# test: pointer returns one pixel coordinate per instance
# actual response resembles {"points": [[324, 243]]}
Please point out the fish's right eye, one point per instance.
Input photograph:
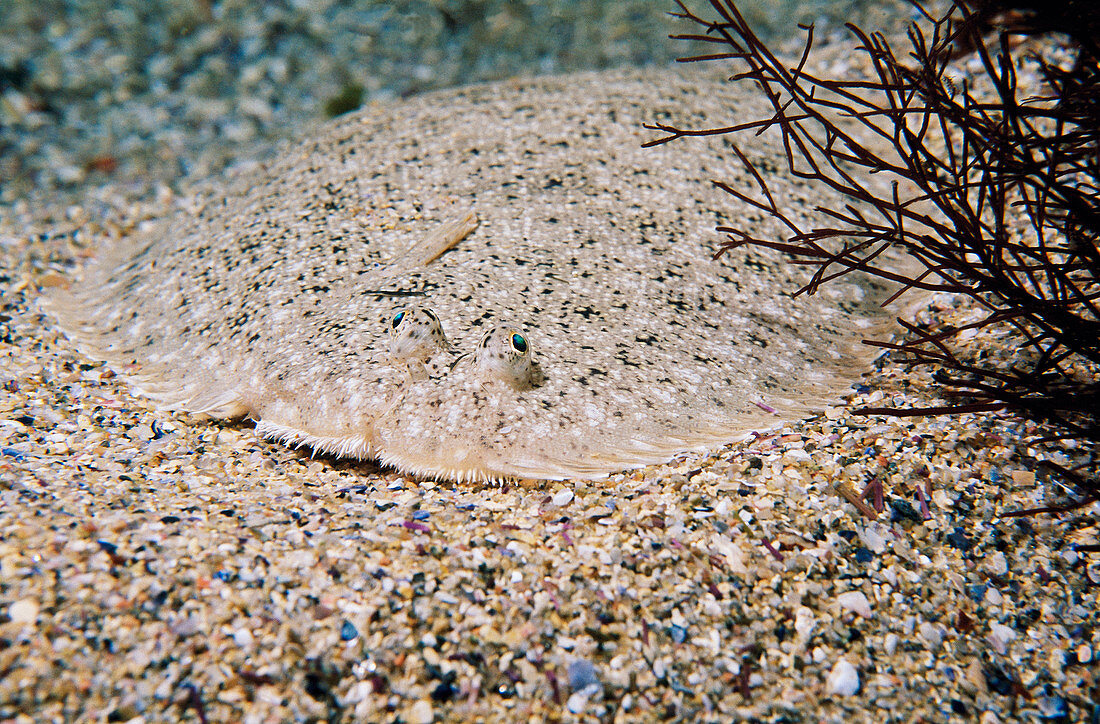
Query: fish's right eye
{"points": [[396, 322]]}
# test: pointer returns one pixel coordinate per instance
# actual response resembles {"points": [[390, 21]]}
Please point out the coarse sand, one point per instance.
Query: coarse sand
{"points": [[159, 567]]}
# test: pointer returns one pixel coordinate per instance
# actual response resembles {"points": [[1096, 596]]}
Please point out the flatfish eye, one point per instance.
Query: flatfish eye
{"points": [[416, 335], [505, 355]]}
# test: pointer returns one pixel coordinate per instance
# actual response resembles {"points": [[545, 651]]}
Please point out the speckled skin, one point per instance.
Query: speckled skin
{"points": [[271, 295], [416, 335]]}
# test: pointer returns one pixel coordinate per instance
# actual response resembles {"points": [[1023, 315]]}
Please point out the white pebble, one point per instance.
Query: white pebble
{"points": [[243, 637], [421, 712], [931, 635], [804, 622], [562, 497], [141, 432], [999, 636], [1084, 653], [890, 644], [796, 455], [856, 602], [873, 539], [23, 611], [576, 702], [579, 700], [359, 691], [996, 564], [843, 680]]}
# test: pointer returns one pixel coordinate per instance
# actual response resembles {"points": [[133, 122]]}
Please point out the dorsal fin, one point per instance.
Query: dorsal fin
{"points": [[425, 251]]}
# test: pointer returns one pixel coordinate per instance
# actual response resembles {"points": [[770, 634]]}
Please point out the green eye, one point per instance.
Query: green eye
{"points": [[519, 344], [397, 319]]}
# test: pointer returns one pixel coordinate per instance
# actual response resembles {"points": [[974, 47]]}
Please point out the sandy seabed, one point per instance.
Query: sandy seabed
{"points": [[159, 567], [155, 567]]}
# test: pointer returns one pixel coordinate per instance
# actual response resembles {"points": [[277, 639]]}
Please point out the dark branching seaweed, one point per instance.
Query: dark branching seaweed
{"points": [[994, 194]]}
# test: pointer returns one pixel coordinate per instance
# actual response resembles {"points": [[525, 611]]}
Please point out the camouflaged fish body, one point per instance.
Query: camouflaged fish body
{"points": [[523, 208]]}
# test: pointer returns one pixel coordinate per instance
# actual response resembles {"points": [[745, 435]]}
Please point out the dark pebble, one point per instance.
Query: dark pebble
{"points": [[10, 452], [957, 539], [316, 686], [864, 555], [348, 99], [997, 680], [1027, 618], [15, 76], [582, 674], [445, 691], [904, 510], [378, 683], [678, 634], [348, 632]]}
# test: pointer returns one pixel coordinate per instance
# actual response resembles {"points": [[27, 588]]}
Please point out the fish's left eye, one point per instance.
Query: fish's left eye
{"points": [[519, 344], [397, 319]]}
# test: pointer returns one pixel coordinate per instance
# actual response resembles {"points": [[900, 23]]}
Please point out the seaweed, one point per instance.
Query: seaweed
{"points": [[991, 188]]}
